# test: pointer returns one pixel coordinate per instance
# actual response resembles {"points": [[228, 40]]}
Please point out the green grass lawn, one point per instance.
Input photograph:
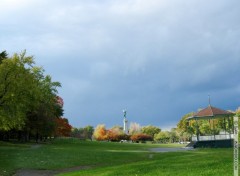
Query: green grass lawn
{"points": [[106, 158]]}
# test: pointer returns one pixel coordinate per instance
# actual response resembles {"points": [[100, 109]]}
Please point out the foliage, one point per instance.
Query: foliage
{"points": [[238, 112], [17, 91], [162, 137], [77, 133], [88, 131], [185, 136], [134, 128], [83, 133], [59, 101], [205, 127], [150, 130], [140, 137], [3, 55], [63, 128], [29, 103], [183, 124], [173, 135], [186, 128], [115, 134], [100, 133]]}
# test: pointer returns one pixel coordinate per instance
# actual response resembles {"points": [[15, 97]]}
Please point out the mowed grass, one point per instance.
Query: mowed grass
{"points": [[200, 163], [65, 153], [107, 158]]}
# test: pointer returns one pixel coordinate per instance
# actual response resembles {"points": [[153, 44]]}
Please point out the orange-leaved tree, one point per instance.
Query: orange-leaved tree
{"points": [[63, 128], [141, 137], [100, 132], [116, 134]]}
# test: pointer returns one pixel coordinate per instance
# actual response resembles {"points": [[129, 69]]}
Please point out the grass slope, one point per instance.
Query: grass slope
{"points": [[106, 158]]}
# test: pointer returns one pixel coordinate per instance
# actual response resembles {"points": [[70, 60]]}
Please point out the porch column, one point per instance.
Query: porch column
{"points": [[197, 130], [224, 121], [229, 128], [213, 130]]}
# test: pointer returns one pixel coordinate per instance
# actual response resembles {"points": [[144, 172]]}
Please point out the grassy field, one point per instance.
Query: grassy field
{"points": [[114, 159]]}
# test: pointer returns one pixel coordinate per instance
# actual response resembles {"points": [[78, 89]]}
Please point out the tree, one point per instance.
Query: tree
{"points": [[173, 136], [162, 137], [116, 133], [100, 132], [185, 136], [134, 128], [140, 137], [184, 126], [75, 133], [42, 116], [83, 133], [17, 91], [28, 98], [88, 130], [150, 130], [63, 127], [3, 55], [205, 127]]}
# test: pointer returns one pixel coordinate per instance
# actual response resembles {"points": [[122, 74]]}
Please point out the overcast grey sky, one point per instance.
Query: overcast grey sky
{"points": [[159, 59]]}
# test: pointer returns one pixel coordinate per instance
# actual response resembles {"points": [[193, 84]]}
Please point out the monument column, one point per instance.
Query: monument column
{"points": [[125, 122]]}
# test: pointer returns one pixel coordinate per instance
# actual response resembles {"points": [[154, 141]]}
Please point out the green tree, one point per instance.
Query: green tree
{"points": [[150, 130], [173, 135], [162, 137], [16, 91], [3, 55], [42, 117], [27, 98], [185, 126], [88, 130]]}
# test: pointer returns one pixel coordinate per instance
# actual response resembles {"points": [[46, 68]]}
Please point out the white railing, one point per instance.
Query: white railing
{"points": [[212, 137]]}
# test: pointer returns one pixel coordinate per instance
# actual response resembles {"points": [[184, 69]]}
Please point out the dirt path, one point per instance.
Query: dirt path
{"points": [[29, 172], [26, 172]]}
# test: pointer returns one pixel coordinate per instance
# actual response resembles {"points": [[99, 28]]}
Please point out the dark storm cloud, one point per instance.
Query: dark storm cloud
{"points": [[159, 58]]}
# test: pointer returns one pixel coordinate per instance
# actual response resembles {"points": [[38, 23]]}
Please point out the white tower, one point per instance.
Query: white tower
{"points": [[125, 122]]}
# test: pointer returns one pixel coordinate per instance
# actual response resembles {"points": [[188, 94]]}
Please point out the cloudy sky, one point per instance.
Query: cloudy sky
{"points": [[159, 59]]}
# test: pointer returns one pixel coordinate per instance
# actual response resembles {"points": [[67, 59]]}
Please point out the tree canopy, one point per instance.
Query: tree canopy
{"points": [[28, 98], [150, 130]]}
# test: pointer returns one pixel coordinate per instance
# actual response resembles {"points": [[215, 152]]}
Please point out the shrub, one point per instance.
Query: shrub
{"points": [[141, 137], [116, 137]]}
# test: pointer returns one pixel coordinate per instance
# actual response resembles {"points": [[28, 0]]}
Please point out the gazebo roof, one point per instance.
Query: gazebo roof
{"points": [[210, 112]]}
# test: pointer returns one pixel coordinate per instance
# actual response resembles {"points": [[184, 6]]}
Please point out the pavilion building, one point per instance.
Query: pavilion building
{"points": [[224, 139]]}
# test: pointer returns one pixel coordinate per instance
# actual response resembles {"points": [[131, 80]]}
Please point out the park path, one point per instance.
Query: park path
{"points": [[170, 149], [27, 172]]}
